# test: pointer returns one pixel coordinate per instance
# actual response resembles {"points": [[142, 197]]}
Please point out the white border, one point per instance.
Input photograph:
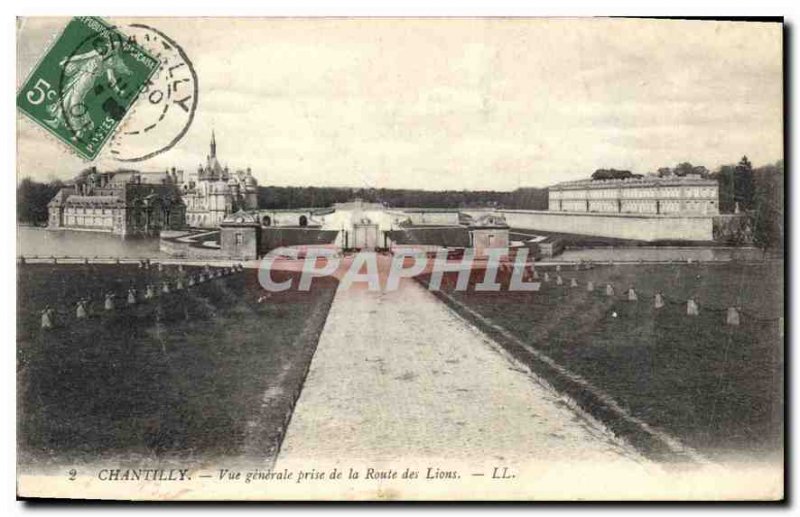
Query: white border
{"points": [[786, 8]]}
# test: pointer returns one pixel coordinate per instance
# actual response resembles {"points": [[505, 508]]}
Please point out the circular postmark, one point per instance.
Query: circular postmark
{"points": [[165, 109], [155, 120]]}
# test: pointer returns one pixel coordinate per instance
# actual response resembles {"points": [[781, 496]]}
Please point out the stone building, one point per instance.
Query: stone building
{"points": [[239, 236], [121, 202], [214, 192], [488, 231], [647, 195]]}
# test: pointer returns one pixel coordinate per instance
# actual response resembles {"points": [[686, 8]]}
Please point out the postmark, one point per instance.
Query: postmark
{"points": [[86, 83], [167, 104]]}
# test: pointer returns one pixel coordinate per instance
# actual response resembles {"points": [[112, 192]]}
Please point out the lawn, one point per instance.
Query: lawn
{"points": [[200, 373], [716, 387]]}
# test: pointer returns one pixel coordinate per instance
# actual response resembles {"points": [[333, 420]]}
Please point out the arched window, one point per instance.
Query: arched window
{"points": [[303, 220], [266, 221]]}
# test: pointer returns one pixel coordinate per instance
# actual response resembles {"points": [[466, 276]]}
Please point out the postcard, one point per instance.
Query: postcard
{"points": [[400, 259]]}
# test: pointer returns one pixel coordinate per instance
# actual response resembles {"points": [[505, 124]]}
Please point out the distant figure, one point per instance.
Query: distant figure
{"points": [[558, 268], [80, 309], [165, 288], [191, 280], [109, 303], [573, 283], [160, 267], [659, 301], [609, 290], [535, 274], [559, 280], [590, 286], [632, 295], [179, 284], [131, 296], [148, 292], [180, 268], [691, 308], [546, 276], [47, 318]]}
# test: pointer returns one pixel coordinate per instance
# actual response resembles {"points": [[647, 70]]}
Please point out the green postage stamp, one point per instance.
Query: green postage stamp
{"points": [[86, 83]]}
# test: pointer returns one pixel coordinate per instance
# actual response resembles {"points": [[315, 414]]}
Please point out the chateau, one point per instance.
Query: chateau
{"points": [[648, 195], [128, 202], [120, 202], [213, 192]]}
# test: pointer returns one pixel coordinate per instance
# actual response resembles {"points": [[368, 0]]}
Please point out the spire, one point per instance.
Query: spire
{"points": [[213, 145]]}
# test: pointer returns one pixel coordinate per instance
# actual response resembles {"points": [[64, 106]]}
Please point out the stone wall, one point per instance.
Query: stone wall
{"points": [[623, 226], [240, 242], [276, 237], [176, 244]]}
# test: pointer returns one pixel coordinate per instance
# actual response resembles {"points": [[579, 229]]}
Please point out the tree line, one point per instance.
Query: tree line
{"points": [[303, 197]]}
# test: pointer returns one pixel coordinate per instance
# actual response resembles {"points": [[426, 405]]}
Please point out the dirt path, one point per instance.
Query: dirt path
{"points": [[397, 375]]}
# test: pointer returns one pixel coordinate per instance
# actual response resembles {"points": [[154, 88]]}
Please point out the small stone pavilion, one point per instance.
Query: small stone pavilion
{"points": [[488, 231]]}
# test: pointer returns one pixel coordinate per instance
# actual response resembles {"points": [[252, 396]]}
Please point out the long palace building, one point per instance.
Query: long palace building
{"points": [[647, 195]]}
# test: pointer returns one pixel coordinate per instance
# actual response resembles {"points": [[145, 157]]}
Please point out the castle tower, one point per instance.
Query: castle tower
{"points": [[213, 145]]}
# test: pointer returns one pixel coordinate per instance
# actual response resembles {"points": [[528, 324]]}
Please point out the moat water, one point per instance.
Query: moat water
{"points": [[36, 241]]}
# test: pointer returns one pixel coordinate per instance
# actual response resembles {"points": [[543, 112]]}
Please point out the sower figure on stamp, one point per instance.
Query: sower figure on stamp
{"points": [[81, 73]]}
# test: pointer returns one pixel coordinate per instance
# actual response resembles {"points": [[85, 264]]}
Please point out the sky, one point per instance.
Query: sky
{"points": [[454, 103]]}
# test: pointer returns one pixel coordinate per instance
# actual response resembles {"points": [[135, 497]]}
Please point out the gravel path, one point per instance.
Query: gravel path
{"points": [[397, 375]]}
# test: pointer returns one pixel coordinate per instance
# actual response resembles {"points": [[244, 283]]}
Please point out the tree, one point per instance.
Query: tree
{"points": [[32, 200], [743, 188], [768, 231], [682, 169], [613, 174], [725, 178], [686, 168]]}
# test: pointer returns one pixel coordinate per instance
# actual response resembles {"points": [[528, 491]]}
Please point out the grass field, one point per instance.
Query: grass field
{"points": [[198, 373], [717, 388]]}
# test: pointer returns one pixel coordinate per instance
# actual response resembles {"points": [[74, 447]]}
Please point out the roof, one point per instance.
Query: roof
{"points": [[93, 200], [241, 218], [647, 181], [61, 197], [489, 221]]}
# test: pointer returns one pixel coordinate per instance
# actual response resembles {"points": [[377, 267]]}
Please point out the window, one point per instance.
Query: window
{"points": [[239, 238]]}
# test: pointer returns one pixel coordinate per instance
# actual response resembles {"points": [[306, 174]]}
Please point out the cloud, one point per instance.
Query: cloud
{"points": [[467, 103]]}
